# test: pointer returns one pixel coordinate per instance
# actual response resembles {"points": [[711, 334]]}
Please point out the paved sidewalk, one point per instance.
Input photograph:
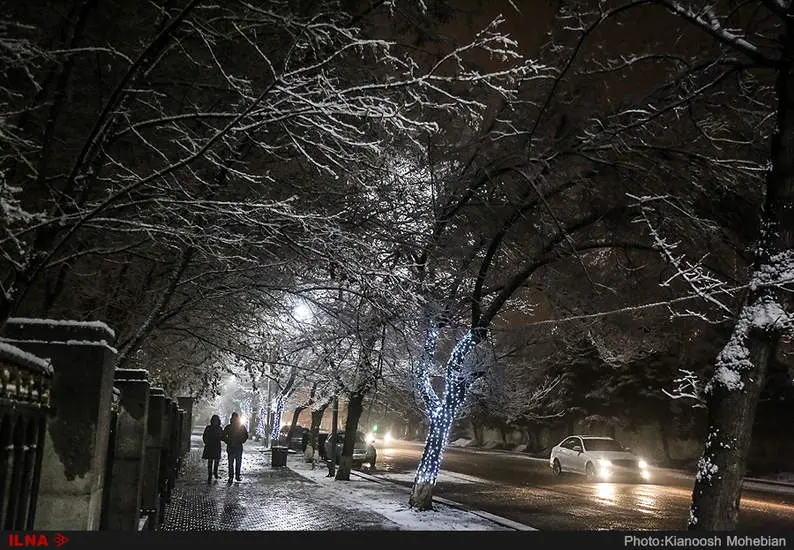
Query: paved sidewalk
{"points": [[299, 498], [267, 499]]}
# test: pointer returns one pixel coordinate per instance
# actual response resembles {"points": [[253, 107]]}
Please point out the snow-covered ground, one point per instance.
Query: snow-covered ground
{"points": [[391, 501]]}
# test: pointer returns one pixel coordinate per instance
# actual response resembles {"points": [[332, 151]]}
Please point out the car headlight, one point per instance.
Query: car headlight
{"points": [[604, 463], [642, 464]]}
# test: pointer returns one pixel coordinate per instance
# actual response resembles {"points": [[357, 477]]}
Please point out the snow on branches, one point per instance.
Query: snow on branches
{"points": [[734, 361], [695, 275], [222, 98], [688, 386]]}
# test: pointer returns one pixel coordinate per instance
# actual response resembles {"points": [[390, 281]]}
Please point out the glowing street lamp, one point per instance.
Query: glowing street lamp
{"points": [[302, 312]]}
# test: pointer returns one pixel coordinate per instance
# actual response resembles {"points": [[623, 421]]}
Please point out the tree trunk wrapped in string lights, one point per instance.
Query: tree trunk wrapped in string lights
{"points": [[275, 430], [441, 411]]}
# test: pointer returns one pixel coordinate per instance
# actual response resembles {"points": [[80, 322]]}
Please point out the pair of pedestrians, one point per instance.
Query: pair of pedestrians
{"points": [[234, 435]]}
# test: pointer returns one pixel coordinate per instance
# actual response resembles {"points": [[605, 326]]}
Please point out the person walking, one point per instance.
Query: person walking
{"points": [[212, 446], [235, 434]]}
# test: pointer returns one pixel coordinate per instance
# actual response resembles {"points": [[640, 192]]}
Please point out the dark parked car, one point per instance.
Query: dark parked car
{"points": [[362, 450], [300, 435]]}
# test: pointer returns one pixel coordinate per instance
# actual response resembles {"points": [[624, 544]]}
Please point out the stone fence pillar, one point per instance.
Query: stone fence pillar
{"points": [[150, 497], [76, 439], [169, 460], [126, 482], [186, 404], [179, 443]]}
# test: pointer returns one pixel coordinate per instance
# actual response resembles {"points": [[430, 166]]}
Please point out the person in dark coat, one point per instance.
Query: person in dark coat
{"points": [[235, 434], [212, 446], [304, 440]]}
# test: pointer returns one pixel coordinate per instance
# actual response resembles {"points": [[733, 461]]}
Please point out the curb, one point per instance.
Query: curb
{"points": [[770, 482], [681, 474], [499, 520]]}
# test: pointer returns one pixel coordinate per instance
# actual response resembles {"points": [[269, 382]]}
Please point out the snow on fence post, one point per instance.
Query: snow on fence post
{"points": [[186, 404], [167, 453], [125, 483], [150, 497], [110, 457]]}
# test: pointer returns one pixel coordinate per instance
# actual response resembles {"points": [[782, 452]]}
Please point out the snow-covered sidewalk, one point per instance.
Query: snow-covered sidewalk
{"points": [[302, 498], [391, 501]]}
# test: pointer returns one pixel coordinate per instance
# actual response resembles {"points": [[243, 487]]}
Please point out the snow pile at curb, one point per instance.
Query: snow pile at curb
{"points": [[391, 502]]}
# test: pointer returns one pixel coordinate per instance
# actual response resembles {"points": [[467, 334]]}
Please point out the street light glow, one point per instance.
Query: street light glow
{"points": [[302, 312]]}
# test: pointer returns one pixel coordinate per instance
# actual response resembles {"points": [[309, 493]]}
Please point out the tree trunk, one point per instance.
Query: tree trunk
{"points": [[742, 365], [473, 425], [317, 418], [268, 414], [665, 440], [534, 439], [721, 467], [426, 473], [422, 495], [275, 427], [295, 414], [256, 418], [54, 291], [410, 429], [355, 406], [334, 434]]}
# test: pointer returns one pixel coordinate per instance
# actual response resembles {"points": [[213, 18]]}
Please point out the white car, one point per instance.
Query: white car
{"points": [[598, 458]]}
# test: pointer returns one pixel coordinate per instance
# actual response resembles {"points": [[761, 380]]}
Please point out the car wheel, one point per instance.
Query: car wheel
{"points": [[556, 468], [590, 471], [357, 464]]}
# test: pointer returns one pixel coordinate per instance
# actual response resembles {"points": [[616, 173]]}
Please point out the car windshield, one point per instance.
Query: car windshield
{"points": [[602, 445]]}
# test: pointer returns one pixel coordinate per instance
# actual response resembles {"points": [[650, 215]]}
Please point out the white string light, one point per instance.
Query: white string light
{"points": [[443, 415], [422, 377], [260, 425], [275, 430]]}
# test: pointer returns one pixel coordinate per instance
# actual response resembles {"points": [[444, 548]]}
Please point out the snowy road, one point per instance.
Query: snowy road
{"points": [[522, 489]]}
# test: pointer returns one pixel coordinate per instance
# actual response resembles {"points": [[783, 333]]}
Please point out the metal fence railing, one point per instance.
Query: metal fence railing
{"points": [[24, 404]]}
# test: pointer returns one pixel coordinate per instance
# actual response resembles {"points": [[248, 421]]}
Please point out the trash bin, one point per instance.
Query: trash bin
{"points": [[278, 457]]}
